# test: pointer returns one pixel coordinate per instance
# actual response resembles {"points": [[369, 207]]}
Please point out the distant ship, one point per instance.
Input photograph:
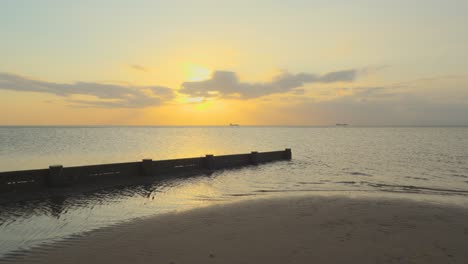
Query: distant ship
{"points": [[231, 124], [341, 124]]}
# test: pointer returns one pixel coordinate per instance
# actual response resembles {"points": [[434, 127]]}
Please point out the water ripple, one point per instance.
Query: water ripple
{"points": [[406, 161]]}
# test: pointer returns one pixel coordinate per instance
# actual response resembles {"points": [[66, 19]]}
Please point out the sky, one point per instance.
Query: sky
{"points": [[204, 62]]}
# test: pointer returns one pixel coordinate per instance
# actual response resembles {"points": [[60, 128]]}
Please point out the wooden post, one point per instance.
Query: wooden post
{"points": [[254, 157], [288, 154], [209, 162], [147, 166], [55, 177]]}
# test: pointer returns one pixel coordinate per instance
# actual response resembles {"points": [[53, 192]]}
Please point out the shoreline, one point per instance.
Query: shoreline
{"points": [[302, 229]]}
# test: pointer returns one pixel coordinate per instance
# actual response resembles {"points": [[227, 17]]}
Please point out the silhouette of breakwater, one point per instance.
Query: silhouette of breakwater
{"points": [[59, 176]]}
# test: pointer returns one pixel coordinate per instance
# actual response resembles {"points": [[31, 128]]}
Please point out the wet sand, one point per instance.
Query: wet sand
{"points": [[289, 230]]}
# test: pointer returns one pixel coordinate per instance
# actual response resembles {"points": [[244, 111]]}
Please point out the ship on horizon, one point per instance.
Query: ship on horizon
{"points": [[341, 124], [233, 125]]}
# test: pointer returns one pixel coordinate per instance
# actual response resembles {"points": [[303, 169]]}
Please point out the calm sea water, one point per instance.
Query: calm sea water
{"points": [[416, 163]]}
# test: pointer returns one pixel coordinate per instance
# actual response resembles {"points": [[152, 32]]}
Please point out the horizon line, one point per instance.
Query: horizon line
{"points": [[240, 126]]}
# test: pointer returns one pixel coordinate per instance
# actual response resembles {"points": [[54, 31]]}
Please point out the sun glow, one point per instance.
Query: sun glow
{"points": [[198, 103], [195, 73], [195, 100]]}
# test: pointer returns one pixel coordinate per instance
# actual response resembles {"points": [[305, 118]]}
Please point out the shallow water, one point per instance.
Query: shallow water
{"points": [[429, 164]]}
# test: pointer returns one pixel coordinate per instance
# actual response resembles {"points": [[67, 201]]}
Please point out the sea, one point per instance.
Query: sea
{"points": [[427, 164]]}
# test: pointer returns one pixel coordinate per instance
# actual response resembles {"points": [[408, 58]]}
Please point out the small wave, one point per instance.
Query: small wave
{"points": [[286, 191], [242, 194], [321, 163], [310, 183], [416, 188], [272, 191], [417, 178], [209, 199], [460, 176], [347, 182], [356, 173]]}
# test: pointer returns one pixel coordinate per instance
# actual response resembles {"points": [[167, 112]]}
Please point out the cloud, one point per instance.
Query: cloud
{"points": [[226, 84], [139, 68], [381, 106], [107, 95]]}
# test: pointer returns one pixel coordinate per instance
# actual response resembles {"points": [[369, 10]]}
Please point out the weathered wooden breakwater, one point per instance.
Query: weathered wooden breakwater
{"points": [[59, 176]]}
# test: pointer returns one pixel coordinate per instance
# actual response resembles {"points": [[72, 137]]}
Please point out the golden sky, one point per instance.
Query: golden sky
{"points": [[218, 62]]}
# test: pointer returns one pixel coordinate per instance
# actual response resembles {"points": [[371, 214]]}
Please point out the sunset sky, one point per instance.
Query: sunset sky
{"points": [[295, 62]]}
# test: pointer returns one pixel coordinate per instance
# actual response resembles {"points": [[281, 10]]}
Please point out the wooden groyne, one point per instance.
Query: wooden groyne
{"points": [[59, 176]]}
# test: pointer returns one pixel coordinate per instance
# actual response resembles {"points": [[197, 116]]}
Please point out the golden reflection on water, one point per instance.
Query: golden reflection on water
{"points": [[188, 196]]}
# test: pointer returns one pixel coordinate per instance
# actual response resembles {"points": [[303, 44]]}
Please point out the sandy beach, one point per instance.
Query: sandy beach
{"points": [[289, 230]]}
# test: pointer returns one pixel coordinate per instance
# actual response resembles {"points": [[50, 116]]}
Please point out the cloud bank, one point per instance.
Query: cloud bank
{"points": [[382, 106], [107, 95], [226, 84]]}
